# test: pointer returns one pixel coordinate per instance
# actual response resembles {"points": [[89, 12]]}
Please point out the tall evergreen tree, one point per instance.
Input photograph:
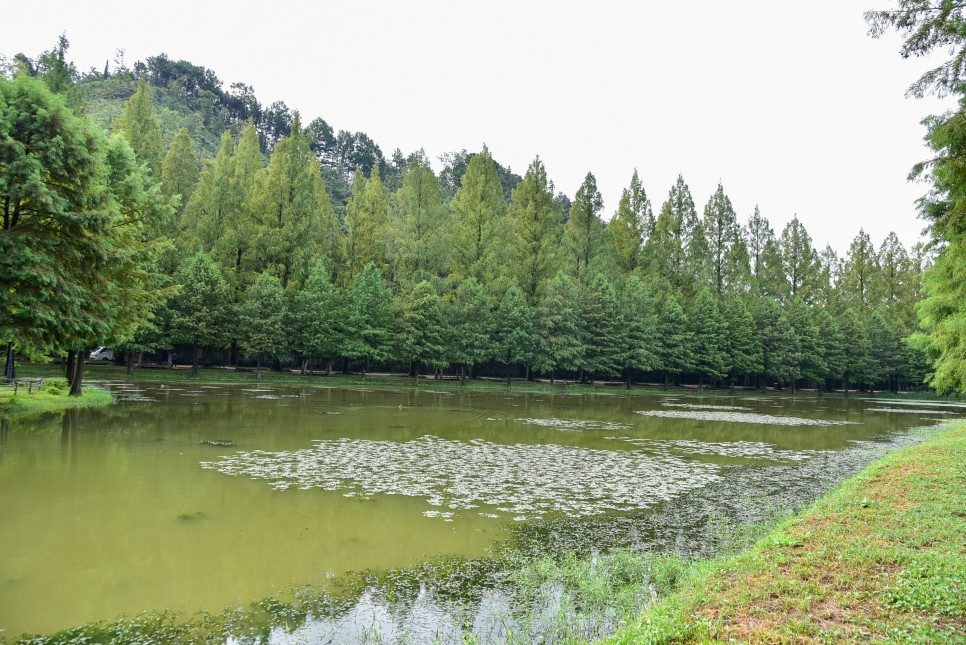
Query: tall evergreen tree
{"points": [[858, 274], [857, 348], [675, 354], [536, 224], [513, 338], [674, 233], [780, 347], [560, 339], [584, 231], [762, 255], [630, 227], [470, 325], [179, 172], [708, 338], [418, 250], [742, 344], [295, 223], [726, 248], [139, 125], [476, 225], [201, 312], [368, 322], [603, 327], [812, 367], [366, 221], [834, 344], [315, 316], [261, 320], [640, 351], [421, 335], [798, 261]]}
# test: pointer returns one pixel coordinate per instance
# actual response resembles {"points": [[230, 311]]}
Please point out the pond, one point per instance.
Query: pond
{"points": [[205, 497]]}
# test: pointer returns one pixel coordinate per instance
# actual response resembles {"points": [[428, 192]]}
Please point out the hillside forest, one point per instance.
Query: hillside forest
{"points": [[148, 208]]}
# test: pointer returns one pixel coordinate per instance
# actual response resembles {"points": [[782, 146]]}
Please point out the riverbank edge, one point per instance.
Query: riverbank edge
{"points": [[227, 376], [881, 558], [26, 404]]}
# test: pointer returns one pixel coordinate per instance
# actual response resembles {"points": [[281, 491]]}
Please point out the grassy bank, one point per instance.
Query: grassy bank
{"points": [[52, 397], [880, 559]]}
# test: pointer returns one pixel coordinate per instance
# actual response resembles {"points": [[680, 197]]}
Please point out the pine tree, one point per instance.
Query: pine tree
{"points": [[201, 312], [812, 367], [603, 327], [639, 316], [421, 334], [673, 243], [857, 348], [762, 255], [205, 216], [885, 356], [367, 333], [295, 223], [798, 261], [630, 228], [315, 316], [366, 221], [179, 172], [560, 339], [675, 343], [139, 125], [584, 231], [513, 337], [232, 249], [742, 344], [536, 224], [834, 343], [476, 225], [418, 250], [858, 274], [708, 338], [780, 347], [261, 320], [470, 325], [726, 248]]}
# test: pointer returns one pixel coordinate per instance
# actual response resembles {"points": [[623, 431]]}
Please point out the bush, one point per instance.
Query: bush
{"points": [[55, 385]]}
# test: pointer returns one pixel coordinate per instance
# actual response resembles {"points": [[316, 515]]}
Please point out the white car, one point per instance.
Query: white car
{"points": [[102, 354]]}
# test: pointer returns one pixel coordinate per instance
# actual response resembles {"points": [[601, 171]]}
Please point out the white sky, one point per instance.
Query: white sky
{"points": [[791, 105]]}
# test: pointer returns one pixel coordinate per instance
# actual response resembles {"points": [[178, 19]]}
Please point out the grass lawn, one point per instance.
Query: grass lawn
{"points": [[880, 559], [50, 398]]}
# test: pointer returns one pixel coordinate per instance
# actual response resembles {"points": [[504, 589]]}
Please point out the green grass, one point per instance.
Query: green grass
{"points": [[51, 398], [880, 559]]}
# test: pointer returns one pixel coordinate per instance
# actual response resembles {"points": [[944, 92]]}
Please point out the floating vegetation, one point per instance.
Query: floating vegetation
{"points": [[327, 412], [576, 424], [742, 417], [700, 406], [222, 443], [739, 449], [188, 517], [908, 411], [522, 481]]}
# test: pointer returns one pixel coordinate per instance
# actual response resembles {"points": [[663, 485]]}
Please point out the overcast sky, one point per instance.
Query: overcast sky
{"points": [[791, 105]]}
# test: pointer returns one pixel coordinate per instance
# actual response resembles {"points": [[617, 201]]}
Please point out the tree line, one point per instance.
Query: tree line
{"points": [[474, 270]]}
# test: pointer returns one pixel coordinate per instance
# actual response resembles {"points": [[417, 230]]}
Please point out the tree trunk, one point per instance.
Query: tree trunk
{"points": [[130, 362], [77, 386], [365, 364], [305, 364], [463, 374], [628, 384], [552, 379], [415, 372], [328, 367], [71, 363], [508, 368], [233, 353], [10, 371], [258, 366], [194, 360]]}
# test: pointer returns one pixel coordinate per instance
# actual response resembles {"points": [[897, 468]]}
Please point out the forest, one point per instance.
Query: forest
{"points": [[148, 208]]}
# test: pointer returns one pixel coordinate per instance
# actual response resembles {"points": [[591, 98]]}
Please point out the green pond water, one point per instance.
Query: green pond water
{"points": [[203, 497]]}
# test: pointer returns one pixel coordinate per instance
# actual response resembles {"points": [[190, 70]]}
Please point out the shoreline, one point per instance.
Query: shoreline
{"points": [[879, 558]]}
